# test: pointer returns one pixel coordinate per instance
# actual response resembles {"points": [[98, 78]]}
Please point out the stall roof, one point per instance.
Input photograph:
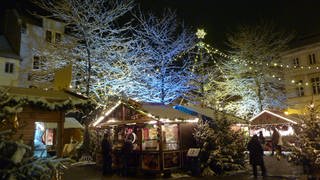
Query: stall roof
{"points": [[46, 99], [47, 94], [69, 122], [154, 111], [206, 111], [165, 111], [269, 117], [6, 50]]}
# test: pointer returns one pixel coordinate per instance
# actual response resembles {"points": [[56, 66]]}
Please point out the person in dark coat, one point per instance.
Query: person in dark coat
{"points": [[275, 140], [126, 151], [106, 153], [256, 155], [261, 138]]}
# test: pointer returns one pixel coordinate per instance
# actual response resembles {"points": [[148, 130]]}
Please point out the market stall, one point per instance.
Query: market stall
{"points": [[155, 131], [266, 121], [37, 109]]}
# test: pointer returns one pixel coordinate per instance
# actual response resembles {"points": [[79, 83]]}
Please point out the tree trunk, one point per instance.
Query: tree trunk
{"points": [[258, 92]]}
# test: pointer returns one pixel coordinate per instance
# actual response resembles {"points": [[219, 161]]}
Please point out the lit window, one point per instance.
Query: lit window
{"points": [[315, 85], [312, 58], [299, 89], [9, 67]]}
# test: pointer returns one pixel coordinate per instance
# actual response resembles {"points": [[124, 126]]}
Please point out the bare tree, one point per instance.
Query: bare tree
{"points": [[98, 39], [166, 76], [253, 79]]}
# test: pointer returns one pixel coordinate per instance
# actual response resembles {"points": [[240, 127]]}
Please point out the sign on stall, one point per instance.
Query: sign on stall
{"points": [[193, 152]]}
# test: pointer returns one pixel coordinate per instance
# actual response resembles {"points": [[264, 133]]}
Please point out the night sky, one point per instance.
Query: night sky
{"points": [[221, 17]]}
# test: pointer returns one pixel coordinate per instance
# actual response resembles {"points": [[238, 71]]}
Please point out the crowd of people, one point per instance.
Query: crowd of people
{"points": [[255, 147], [126, 149]]}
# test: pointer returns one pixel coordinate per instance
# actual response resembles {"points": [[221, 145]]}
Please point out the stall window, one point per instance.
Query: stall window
{"points": [[150, 138], [170, 136], [131, 135]]}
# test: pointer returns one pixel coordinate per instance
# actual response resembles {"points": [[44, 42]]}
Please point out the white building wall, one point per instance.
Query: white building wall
{"points": [[305, 71], [34, 38], [9, 79]]}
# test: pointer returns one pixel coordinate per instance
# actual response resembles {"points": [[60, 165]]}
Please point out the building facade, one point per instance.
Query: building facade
{"points": [[26, 35], [302, 75]]}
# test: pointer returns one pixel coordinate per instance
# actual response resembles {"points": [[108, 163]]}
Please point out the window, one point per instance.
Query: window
{"points": [[49, 36], [312, 58], [58, 37], [9, 67], [296, 62], [38, 62], [53, 37], [315, 85], [299, 89]]}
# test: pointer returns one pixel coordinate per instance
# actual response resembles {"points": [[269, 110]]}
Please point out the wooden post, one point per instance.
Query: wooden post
{"points": [[60, 129]]}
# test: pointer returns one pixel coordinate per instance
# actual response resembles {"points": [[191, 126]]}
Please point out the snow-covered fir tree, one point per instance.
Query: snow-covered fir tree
{"points": [[253, 79], [206, 67], [222, 149], [306, 150], [16, 162], [166, 77]]}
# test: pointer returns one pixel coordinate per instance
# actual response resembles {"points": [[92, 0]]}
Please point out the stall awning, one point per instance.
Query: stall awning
{"points": [[268, 117], [69, 122]]}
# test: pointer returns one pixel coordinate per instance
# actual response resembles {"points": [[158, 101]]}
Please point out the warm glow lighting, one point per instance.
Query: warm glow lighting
{"points": [[201, 33], [106, 114], [277, 115], [165, 120], [286, 112], [193, 120], [152, 122]]}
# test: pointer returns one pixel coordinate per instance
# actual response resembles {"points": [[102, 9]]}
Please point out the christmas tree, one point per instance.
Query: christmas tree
{"points": [[307, 148], [222, 149], [17, 162]]}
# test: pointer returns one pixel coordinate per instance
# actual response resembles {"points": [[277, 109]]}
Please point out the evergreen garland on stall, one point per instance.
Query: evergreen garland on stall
{"points": [[10, 105], [222, 149]]}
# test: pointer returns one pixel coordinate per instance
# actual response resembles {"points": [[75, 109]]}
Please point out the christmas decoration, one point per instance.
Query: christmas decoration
{"points": [[306, 150], [222, 149]]}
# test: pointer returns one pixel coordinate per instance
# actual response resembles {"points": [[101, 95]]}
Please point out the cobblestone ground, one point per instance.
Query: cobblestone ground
{"points": [[276, 169]]}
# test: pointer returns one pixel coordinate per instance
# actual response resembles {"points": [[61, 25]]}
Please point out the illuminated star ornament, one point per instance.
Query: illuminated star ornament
{"points": [[201, 33]]}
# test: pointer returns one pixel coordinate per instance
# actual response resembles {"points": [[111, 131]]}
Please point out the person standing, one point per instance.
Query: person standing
{"points": [[126, 151], [256, 155], [261, 139], [106, 153], [275, 140]]}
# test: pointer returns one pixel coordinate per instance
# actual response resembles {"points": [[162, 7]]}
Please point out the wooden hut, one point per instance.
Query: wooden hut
{"points": [[266, 120], [161, 135], [39, 107]]}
